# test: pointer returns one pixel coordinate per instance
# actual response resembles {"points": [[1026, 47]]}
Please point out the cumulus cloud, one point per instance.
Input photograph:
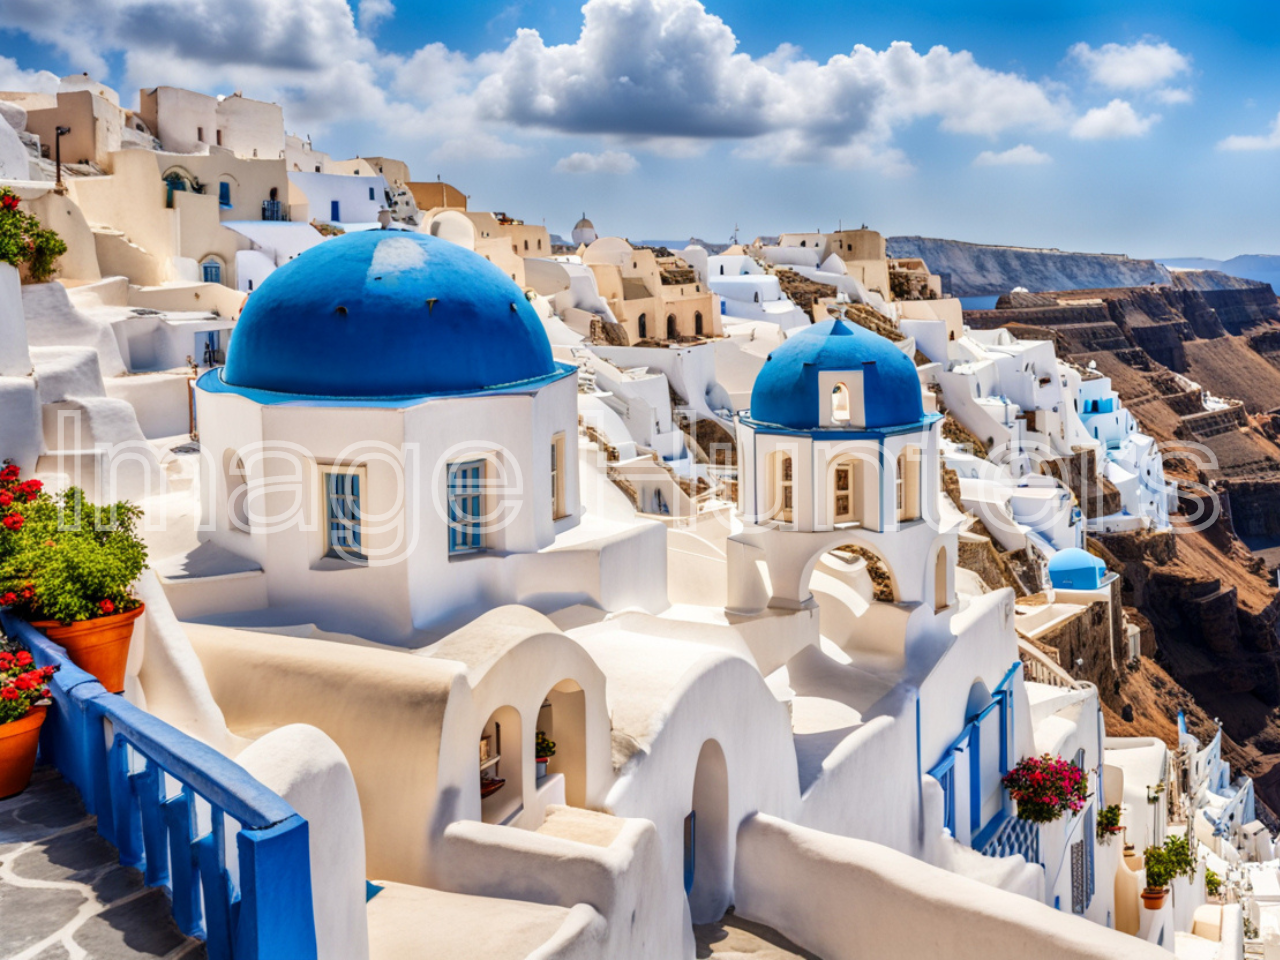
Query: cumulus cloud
{"points": [[1023, 155], [1116, 120], [13, 77], [1266, 141], [610, 161], [1135, 66], [665, 76]]}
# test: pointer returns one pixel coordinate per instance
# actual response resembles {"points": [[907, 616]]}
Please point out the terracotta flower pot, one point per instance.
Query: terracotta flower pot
{"points": [[1153, 899], [18, 742], [99, 646]]}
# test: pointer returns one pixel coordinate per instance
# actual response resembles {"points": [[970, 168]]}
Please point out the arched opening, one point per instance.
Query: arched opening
{"points": [[840, 403], [643, 325], [706, 838], [802, 243], [501, 767], [781, 502], [526, 244], [940, 581], [907, 484], [722, 269], [697, 323], [673, 331], [846, 490], [562, 722], [211, 270], [237, 491]]}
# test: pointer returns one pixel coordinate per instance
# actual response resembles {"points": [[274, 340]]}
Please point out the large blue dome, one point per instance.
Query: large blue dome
{"points": [[387, 314], [787, 393], [1076, 569]]}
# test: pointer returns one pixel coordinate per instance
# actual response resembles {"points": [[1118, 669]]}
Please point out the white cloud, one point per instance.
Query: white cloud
{"points": [[1267, 141], [1136, 66], [1173, 95], [372, 12], [1117, 119], [610, 161], [1023, 155], [13, 77]]}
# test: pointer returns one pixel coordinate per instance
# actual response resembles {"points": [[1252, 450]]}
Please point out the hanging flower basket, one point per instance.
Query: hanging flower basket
{"points": [[1047, 787]]}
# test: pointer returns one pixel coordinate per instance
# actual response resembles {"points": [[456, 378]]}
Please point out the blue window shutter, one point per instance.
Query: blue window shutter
{"points": [[224, 195], [371, 193], [333, 211]]}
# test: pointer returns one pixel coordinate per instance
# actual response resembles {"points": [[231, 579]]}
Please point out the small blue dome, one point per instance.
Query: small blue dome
{"points": [[1076, 569], [387, 314], [786, 390]]}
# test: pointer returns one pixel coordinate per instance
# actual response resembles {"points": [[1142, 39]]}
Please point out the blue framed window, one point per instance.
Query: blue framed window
{"points": [[224, 195], [212, 271], [342, 514], [371, 193], [334, 210], [466, 506]]}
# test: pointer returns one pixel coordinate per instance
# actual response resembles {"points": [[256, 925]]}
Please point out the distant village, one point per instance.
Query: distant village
{"points": [[567, 598]]}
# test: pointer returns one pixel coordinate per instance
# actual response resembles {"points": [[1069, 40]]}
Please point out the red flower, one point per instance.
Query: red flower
{"points": [[27, 593], [24, 658], [9, 693], [9, 201], [14, 522], [107, 606], [6, 498], [10, 472], [6, 599]]}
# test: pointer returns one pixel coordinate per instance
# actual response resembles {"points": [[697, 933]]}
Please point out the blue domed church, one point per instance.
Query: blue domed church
{"points": [[837, 450], [392, 444]]}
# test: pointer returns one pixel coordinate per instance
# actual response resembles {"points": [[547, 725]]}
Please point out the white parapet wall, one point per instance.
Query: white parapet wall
{"points": [[849, 900]]}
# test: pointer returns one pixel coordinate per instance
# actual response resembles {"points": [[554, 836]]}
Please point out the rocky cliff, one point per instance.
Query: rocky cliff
{"points": [[979, 270]]}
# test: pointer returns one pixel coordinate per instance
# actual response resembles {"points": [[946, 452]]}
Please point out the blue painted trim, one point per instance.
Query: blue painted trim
{"points": [[834, 433], [212, 382], [271, 915]]}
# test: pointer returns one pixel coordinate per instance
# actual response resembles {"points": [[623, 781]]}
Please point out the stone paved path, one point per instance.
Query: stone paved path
{"points": [[735, 938], [64, 894]]}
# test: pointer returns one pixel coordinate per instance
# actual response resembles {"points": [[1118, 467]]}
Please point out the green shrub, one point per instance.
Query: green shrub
{"points": [[1109, 823], [24, 240], [1159, 869], [1212, 883], [63, 558], [1178, 850]]}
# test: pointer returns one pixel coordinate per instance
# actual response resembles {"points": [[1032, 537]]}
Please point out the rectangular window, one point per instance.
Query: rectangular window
{"points": [[342, 489], [200, 134], [224, 195], [333, 212], [557, 476], [466, 506], [219, 137], [371, 193]]}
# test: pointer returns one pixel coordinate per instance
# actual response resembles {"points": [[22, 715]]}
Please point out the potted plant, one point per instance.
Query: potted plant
{"points": [[67, 566], [1109, 823], [1047, 787], [23, 698], [544, 750], [1178, 851], [24, 242], [1160, 872]]}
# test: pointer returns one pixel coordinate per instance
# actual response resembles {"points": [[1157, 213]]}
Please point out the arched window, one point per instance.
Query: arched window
{"points": [[907, 484], [940, 581], [802, 243], [643, 325], [840, 403], [784, 498], [211, 270], [526, 244], [757, 296], [673, 331], [722, 269], [697, 323]]}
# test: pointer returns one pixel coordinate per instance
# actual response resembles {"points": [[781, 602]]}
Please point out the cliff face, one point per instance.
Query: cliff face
{"points": [[979, 270]]}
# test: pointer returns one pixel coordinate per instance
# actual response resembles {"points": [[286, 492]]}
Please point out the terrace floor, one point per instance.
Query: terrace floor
{"points": [[734, 938], [64, 894]]}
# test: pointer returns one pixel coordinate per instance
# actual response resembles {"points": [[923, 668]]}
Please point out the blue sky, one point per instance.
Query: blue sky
{"points": [[1152, 129]]}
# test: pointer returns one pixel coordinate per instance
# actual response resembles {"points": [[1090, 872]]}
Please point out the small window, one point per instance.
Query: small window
{"points": [[200, 134], [224, 195], [785, 489], [557, 476], [342, 513], [466, 506], [335, 211], [643, 326], [212, 271], [840, 403], [219, 137], [371, 193], [539, 244], [697, 323]]}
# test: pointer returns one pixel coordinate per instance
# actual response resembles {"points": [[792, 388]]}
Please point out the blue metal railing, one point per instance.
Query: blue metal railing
{"points": [[274, 210], [163, 799], [1006, 835]]}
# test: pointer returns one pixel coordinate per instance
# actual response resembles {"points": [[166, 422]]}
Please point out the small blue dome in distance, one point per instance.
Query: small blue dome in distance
{"points": [[387, 314], [786, 391], [1076, 569]]}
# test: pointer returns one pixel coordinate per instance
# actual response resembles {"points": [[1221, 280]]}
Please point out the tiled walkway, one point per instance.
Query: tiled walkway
{"points": [[63, 893]]}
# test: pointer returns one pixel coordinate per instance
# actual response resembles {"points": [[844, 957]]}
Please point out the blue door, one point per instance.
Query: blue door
{"points": [[212, 271], [333, 211]]}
